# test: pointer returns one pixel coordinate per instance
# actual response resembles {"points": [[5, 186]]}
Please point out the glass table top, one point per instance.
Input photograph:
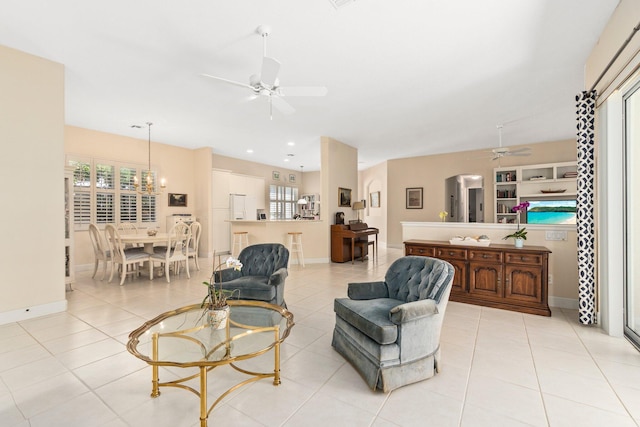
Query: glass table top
{"points": [[185, 336]]}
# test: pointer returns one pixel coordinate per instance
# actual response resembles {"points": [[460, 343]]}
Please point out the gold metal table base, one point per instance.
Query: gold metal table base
{"points": [[204, 370]]}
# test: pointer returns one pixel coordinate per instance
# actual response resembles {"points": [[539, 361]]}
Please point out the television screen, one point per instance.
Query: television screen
{"points": [[551, 212]]}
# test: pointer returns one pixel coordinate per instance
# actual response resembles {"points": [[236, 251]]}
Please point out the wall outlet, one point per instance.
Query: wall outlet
{"points": [[551, 279], [555, 235]]}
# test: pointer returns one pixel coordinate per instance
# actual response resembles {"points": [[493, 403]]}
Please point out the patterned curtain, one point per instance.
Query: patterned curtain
{"points": [[586, 102]]}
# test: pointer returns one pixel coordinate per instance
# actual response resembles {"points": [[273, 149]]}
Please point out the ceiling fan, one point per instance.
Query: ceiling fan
{"points": [[500, 151], [267, 83]]}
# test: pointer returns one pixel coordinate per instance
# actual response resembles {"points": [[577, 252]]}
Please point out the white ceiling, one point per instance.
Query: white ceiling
{"points": [[404, 78]]}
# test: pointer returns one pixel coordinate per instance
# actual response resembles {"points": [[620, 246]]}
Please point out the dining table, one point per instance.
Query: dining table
{"points": [[148, 241], [144, 239]]}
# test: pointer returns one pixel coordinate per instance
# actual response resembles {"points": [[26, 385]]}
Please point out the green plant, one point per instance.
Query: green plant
{"points": [[521, 233], [217, 297]]}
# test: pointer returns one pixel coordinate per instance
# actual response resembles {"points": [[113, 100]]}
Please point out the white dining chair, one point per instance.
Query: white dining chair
{"points": [[175, 252], [123, 258], [192, 249], [100, 250], [129, 228]]}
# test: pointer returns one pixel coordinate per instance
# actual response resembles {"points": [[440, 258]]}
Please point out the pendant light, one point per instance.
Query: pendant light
{"points": [[147, 188]]}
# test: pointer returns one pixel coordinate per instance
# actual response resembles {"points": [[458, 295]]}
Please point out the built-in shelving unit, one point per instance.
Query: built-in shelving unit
{"points": [[513, 185]]}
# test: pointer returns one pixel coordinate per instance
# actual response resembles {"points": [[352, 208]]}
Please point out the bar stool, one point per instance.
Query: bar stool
{"points": [[295, 245], [241, 240]]}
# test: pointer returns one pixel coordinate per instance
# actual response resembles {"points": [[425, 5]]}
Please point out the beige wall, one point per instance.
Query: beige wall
{"points": [[31, 166], [430, 172], [619, 27], [372, 180], [184, 169], [339, 169]]}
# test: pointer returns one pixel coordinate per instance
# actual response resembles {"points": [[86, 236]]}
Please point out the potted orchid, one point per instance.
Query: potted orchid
{"points": [[215, 302], [520, 234]]}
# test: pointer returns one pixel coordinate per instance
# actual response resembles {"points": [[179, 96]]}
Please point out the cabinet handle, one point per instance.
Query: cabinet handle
{"points": [[421, 251], [485, 256], [451, 253], [523, 258]]}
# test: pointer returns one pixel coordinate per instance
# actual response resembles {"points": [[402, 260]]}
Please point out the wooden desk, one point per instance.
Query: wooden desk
{"points": [[344, 238]]}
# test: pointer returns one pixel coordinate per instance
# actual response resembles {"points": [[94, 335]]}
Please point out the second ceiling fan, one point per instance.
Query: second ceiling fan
{"points": [[267, 83], [500, 151]]}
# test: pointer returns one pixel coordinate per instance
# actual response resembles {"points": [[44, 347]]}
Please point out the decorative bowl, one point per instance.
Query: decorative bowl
{"points": [[152, 232]]}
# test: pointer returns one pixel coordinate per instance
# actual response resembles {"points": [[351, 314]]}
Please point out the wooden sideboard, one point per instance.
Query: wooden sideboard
{"points": [[499, 276]]}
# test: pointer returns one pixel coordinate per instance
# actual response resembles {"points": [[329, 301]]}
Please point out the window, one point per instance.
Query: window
{"points": [[104, 192], [282, 201]]}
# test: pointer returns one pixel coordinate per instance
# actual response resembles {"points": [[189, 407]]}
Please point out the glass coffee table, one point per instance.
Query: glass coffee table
{"points": [[184, 338]]}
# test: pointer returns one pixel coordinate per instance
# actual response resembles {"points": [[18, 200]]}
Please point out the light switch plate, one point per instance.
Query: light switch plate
{"points": [[556, 235]]}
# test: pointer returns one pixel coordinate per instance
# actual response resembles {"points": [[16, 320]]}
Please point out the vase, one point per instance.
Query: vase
{"points": [[519, 242], [217, 317]]}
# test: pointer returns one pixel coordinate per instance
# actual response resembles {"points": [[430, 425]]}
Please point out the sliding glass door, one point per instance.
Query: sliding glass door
{"points": [[632, 214]]}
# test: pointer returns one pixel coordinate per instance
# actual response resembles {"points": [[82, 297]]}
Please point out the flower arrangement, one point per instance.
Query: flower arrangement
{"points": [[520, 233], [217, 298], [443, 215]]}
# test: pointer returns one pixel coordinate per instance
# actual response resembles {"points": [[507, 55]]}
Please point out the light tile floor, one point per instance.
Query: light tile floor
{"points": [[499, 368]]}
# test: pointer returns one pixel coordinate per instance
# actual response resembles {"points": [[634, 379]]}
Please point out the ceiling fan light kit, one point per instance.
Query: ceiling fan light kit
{"points": [[267, 83]]}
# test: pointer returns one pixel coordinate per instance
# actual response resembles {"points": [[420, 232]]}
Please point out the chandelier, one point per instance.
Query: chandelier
{"points": [[147, 187]]}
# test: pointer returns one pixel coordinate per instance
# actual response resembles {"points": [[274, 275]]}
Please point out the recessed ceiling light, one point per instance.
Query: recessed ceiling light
{"points": [[249, 151], [286, 160], [291, 143]]}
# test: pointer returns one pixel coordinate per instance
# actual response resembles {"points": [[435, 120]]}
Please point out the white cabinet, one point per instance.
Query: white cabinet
{"points": [[221, 189], [69, 264], [513, 185]]}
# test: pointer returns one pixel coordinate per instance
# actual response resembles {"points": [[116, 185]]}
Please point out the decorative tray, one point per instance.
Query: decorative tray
{"points": [[469, 241], [552, 191]]}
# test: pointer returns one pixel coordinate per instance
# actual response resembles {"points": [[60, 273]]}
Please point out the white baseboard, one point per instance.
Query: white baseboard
{"points": [[32, 312], [560, 302]]}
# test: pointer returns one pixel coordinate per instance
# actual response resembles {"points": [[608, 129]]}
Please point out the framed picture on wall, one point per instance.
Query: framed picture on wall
{"points": [[176, 199], [344, 197], [275, 175], [374, 199], [292, 178], [414, 198]]}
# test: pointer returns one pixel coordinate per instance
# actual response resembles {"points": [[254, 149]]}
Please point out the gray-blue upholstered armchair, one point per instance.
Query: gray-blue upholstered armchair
{"points": [[390, 331], [264, 270]]}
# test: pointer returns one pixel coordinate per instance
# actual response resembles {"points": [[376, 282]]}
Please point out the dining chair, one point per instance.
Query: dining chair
{"points": [[192, 249], [129, 228], [100, 250], [175, 252], [122, 257]]}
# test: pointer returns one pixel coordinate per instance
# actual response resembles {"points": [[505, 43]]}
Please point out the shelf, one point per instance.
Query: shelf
{"points": [[551, 176]]}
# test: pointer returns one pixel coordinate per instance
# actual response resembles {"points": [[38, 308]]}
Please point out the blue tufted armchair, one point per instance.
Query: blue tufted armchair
{"points": [[390, 331], [264, 270]]}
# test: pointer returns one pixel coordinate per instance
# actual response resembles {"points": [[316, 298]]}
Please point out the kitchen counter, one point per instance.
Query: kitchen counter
{"points": [[314, 235]]}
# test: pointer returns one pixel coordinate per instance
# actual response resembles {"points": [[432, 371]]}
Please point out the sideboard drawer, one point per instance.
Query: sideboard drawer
{"points": [[523, 258], [420, 251], [451, 253], [483, 255]]}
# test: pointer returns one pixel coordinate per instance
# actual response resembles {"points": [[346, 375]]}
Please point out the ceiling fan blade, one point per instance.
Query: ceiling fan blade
{"points": [[228, 81], [281, 105], [270, 69], [303, 91]]}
